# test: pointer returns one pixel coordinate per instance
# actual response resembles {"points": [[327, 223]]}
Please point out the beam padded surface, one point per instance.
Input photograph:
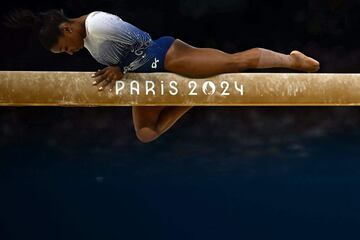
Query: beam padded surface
{"points": [[21, 88]]}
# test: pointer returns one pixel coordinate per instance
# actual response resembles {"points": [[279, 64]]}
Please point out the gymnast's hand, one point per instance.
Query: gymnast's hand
{"points": [[108, 76]]}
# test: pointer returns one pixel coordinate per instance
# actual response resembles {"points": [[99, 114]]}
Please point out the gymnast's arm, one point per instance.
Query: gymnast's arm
{"points": [[119, 38], [108, 76]]}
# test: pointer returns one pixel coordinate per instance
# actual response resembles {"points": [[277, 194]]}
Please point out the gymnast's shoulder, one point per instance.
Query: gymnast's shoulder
{"points": [[99, 22]]}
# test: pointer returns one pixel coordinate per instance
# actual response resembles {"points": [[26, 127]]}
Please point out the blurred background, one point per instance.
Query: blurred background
{"points": [[219, 172]]}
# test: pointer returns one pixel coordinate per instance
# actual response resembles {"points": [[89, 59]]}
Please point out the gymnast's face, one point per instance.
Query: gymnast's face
{"points": [[70, 40]]}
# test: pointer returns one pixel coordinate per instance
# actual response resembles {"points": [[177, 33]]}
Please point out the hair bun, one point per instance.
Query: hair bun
{"points": [[23, 18]]}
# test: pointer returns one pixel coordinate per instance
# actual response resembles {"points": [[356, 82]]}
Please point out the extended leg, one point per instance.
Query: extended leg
{"points": [[151, 122], [190, 61]]}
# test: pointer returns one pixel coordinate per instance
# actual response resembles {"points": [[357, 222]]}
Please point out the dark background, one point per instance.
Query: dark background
{"points": [[220, 172]]}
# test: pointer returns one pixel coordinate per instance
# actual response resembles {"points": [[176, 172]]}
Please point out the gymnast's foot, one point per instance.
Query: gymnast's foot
{"points": [[304, 63]]}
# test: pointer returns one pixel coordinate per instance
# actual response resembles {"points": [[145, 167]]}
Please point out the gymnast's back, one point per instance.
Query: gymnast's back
{"points": [[112, 41]]}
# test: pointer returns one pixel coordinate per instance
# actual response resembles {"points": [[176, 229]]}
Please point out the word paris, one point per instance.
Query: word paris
{"points": [[134, 87]]}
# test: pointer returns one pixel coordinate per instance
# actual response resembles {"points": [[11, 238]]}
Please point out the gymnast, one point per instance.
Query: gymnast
{"points": [[123, 48]]}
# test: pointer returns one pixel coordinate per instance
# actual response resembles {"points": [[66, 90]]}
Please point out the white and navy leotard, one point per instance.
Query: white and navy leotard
{"points": [[113, 41]]}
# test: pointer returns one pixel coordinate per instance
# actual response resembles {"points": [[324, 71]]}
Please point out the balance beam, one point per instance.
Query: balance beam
{"points": [[23, 88]]}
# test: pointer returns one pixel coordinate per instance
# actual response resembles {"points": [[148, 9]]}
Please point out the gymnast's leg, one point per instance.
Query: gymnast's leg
{"points": [[152, 121], [190, 61]]}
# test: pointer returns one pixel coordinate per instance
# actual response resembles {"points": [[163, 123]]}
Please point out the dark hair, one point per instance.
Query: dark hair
{"points": [[44, 24]]}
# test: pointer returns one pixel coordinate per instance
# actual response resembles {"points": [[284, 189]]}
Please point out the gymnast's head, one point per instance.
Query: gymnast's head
{"points": [[56, 32]]}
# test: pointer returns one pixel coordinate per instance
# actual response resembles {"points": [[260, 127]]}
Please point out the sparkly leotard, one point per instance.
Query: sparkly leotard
{"points": [[112, 41]]}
